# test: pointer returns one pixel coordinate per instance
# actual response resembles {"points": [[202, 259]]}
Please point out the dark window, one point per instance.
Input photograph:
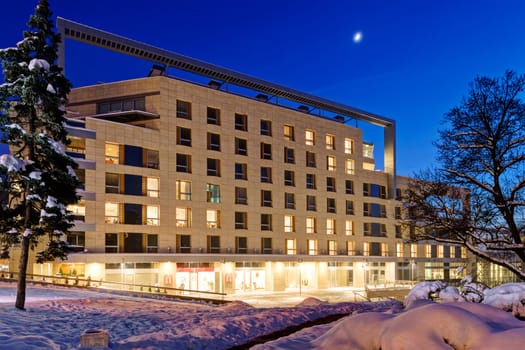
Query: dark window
{"points": [[398, 233], [397, 212], [266, 245], [330, 205], [77, 239], [349, 187], [374, 190], [130, 104], [183, 109], [214, 142], [310, 203], [289, 178], [349, 208], [399, 194], [289, 200], [374, 210], [241, 245], [151, 158], [133, 185], [213, 115], [183, 136], [241, 196], [241, 220], [310, 159], [266, 174], [241, 171], [289, 155], [310, 181], [266, 198], [266, 151], [133, 155], [266, 222], [213, 167], [133, 214], [241, 122], [374, 229], [133, 242], [183, 244], [183, 163], [375, 249], [330, 184], [266, 127], [112, 183], [214, 244], [112, 243], [241, 147], [152, 244]]}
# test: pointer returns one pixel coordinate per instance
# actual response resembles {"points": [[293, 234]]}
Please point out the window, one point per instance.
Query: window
{"points": [[152, 243], [374, 190], [290, 246], [310, 203], [183, 136], [400, 250], [311, 226], [309, 136], [288, 133], [330, 226], [112, 183], [266, 198], [350, 247], [241, 245], [214, 244], [289, 155], [112, 243], [366, 249], [397, 212], [310, 181], [349, 146], [266, 222], [440, 251], [384, 249], [133, 214], [330, 142], [77, 239], [241, 172], [332, 247], [128, 104], [152, 158], [266, 245], [330, 184], [310, 159], [266, 151], [413, 250], [213, 167], [428, 251], [289, 223], [349, 187], [213, 193], [266, 174], [214, 141], [78, 210], [112, 153], [266, 127], [241, 122], [241, 220], [312, 246], [183, 163], [182, 217], [152, 215], [289, 200], [399, 194], [241, 196], [213, 218], [463, 251], [349, 228], [213, 115], [398, 231], [330, 163], [330, 205], [183, 190], [183, 243], [289, 178], [374, 229], [112, 213], [374, 210], [350, 166], [152, 187], [183, 109], [349, 207], [368, 150], [241, 147]]}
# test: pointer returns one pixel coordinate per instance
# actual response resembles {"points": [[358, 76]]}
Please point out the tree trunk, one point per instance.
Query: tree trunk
{"points": [[22, 272]]}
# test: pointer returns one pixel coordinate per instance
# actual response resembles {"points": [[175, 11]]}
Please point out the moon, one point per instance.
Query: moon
{"points": [[358, 36]]}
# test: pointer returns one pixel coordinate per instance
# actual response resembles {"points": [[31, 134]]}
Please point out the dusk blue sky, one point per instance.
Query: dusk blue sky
{"points": [[415, 60]]}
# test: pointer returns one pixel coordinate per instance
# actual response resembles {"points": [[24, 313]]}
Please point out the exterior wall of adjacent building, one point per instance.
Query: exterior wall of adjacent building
{"points": [[209, 238]]}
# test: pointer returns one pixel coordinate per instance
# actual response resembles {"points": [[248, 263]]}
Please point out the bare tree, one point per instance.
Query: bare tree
{"points": [[474, 196]]}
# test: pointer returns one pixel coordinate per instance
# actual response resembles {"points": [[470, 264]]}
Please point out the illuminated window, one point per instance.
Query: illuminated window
{"points": [[78, 210], [350, 247], [413, 250], [440, 251], [312, 246], [289, 223], [288, 133], [311, 226], [112, 213], [213, 193], [152, 186], [368, 150], [366, 248], [330, 226], [349, 228], [212, 218], [384, 249], [463, 253], [452, 252], [152, 215], [400, 250], [112, 153], [183, 190], [310, 137], [349, 146], [290, 246], [182, 217], [350, 166], [330, 163], [332, 247], [428, 251], [330, 142]]}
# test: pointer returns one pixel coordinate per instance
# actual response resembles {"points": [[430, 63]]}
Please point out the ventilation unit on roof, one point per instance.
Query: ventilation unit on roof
{"points": [[303, 108], [214, 84], [157, 70], [339, 118], [262, 98]]}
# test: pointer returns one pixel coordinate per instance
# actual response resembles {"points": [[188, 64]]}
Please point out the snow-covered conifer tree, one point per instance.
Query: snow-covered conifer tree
{"points": [[37, 179]]}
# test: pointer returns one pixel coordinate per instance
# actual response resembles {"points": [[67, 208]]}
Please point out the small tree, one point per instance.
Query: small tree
{"points": [[37, 177], [476, 195]]}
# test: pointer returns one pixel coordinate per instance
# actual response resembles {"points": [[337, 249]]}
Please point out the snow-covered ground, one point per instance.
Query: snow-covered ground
{"points": [[56, 317]]}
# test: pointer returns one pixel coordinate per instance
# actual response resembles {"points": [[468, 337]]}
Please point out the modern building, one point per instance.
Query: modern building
{"points": [[233, 185]]}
